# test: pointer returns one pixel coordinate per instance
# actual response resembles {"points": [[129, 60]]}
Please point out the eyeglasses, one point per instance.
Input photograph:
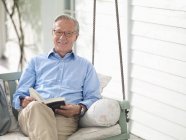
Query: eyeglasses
{"points": [[66, 34]]}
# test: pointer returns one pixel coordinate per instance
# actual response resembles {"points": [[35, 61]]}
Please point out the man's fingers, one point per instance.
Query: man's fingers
{"points": [[29, 98], [69, 110]]}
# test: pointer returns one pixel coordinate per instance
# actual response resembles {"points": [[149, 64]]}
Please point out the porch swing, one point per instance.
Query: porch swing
{"points": [[108, 133]]}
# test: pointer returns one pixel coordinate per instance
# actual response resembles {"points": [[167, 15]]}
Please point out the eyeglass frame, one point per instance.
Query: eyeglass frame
{"points": [[66, 34]]}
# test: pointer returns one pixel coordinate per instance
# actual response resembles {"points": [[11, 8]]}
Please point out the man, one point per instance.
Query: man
{"points": [[60, 73]]}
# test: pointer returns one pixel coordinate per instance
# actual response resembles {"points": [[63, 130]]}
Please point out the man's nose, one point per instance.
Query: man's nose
{"points": [[62, 36]]}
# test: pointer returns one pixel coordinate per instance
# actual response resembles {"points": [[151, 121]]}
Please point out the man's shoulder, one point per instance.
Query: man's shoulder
{"points": [[82, 59], [37, 59], [40, 56]]}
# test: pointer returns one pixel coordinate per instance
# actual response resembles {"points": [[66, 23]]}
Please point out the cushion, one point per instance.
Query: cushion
{"points": [[14, 136], [104, 112], [104, 80], [95, 133], [5, 121], [14, 124]]}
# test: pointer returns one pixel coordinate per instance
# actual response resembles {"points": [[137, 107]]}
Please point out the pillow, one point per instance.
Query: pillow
{"points": [[96, 133], [5, 120], [14, 127], [104, 112], [104, 80], [14, 136]]}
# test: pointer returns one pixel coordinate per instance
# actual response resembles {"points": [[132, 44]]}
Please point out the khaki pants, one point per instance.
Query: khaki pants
{"points": [[40, 123]]}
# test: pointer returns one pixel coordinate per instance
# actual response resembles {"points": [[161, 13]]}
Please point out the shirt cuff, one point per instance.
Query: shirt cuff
{"points": [[88, 103], [17, 102]]}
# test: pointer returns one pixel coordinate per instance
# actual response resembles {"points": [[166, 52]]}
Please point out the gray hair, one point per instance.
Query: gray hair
{"points": [[67, 17]]}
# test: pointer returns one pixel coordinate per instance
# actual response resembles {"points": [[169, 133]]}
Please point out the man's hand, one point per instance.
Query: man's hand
{"points": [[69, 110], [25, 101]]}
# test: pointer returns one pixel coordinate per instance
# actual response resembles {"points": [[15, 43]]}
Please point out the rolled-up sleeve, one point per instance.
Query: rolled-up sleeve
{"points": [[26, 81], [91, 89]]}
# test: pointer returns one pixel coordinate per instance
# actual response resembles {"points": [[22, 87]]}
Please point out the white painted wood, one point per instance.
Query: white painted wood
{"points": [[160, 32], [158, 124], [2, 29], [148, 133], [160, 94], [179, 5], [161, 79], [161, 48], [159, 63], [159, 109], [159, 16]]}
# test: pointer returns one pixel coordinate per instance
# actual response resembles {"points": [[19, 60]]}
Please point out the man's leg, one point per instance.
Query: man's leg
{"points": [[66, 126], [38, 122]]}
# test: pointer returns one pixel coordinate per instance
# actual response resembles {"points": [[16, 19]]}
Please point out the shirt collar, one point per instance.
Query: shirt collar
{"points": [[53, 53]]}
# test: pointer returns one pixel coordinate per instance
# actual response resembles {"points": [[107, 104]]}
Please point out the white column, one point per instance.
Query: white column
{"points": [[2, 29], [50, 9]]}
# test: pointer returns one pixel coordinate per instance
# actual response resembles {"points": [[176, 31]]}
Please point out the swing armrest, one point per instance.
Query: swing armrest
{"points": [[124, 105]]}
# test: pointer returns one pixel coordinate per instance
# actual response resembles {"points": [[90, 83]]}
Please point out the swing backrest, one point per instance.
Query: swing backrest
{"points": [[11, 80]]}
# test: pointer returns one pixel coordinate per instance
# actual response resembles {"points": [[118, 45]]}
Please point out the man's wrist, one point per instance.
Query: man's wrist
{"points": [[83, 110], [21, 100]]}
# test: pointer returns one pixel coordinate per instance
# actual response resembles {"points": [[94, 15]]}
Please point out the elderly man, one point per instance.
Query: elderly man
{"points": [[60, 73]]}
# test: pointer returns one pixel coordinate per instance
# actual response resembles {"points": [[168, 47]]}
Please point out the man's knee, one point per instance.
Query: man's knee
{"points": [[36, 105]]}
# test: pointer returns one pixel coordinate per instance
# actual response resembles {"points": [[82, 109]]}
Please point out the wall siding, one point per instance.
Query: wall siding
{"points": [[158, 69]]}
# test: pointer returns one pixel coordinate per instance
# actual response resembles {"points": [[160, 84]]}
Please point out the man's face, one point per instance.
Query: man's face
{"points": [[64, 36]]}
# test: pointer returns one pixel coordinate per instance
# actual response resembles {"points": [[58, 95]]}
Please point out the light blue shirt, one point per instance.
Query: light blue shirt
{"points": [[71, 77]]}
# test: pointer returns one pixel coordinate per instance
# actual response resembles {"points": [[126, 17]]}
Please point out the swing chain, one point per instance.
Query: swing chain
{"points": [[121, 59]]}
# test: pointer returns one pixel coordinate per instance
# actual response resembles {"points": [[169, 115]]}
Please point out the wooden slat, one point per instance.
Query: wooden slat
{"points": [[159, 109], [148, 133], [164, 4], [158, 124], [165, 33], [157, 47], [10, 76], [160, 63], [159, 16], [158, 74], [169, 97], [159, 78]]}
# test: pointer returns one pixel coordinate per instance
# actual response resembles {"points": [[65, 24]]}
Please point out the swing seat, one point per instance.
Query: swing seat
{"points": [[105, 119]]}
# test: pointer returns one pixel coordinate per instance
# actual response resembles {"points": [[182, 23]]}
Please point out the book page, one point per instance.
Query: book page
{"points": [[52, 100], [54, 103], [35, 95]]}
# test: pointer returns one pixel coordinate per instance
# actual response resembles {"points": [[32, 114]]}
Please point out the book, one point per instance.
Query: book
{"points": [[54, 103]]}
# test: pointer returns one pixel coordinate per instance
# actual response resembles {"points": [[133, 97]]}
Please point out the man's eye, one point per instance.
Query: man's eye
{"points": [[58, 32], [68, 33]]}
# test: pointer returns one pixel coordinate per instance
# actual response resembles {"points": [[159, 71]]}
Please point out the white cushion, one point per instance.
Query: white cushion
{"points": [[95, 133], [104, 80], [104, 112], [14, 136]]}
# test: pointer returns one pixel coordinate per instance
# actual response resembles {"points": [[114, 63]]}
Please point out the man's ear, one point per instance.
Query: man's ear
{"points": [[76, 37]]}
